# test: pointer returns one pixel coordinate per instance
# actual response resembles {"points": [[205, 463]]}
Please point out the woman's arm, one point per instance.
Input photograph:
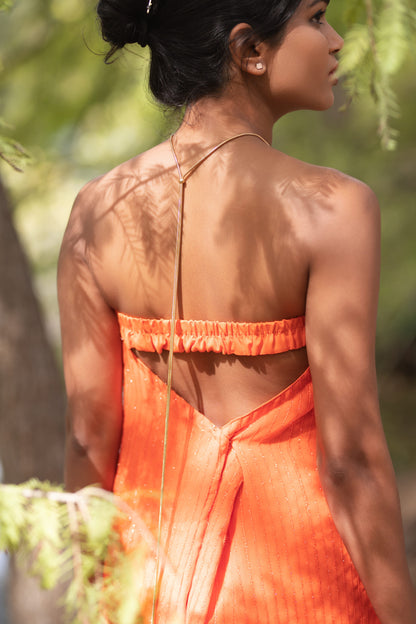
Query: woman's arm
{"points": [[92, 360], [353, 459]]}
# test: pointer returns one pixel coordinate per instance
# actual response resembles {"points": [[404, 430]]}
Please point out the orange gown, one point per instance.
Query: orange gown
{"points": [[247, 535]]}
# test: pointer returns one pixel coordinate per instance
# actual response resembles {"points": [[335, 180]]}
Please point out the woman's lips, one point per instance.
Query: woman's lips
{"points": [[333, 74], [333, 70]]}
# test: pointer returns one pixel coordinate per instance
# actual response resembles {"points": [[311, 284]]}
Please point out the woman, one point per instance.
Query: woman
{"points": [[278, 506]]}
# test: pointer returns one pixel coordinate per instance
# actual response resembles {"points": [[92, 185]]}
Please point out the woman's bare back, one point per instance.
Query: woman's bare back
{"points": [[249, 214]]}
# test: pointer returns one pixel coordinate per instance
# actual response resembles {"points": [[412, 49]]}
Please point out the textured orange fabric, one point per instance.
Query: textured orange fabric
{"points": [[247, 533], [220, 337]]}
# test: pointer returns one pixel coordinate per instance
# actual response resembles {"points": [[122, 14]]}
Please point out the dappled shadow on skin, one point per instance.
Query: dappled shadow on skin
{"points": [[243, 258], [139, 238], [269, 238], [118, 250]]}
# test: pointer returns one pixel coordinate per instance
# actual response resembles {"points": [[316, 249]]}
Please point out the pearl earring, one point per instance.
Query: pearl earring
{"points": [[259, 65]]}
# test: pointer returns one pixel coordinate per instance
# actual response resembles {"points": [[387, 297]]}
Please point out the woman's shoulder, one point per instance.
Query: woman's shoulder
{"points": [[336, 196], [123, 179], [324, 207], [322, 192], [339, 211], [100, 199], [306, 177]]}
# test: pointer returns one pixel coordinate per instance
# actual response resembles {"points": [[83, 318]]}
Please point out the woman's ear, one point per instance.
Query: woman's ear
{"points": [[246, 50]]}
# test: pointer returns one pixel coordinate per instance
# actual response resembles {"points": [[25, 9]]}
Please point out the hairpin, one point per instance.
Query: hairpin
{"points": [[149, 6]]}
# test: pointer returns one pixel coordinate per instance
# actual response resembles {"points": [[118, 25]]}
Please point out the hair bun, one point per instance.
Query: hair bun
{"points": [[123, 21], [136, 32]]}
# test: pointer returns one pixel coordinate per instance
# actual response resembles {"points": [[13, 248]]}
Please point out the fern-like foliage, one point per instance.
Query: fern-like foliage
{"points": [[380, 37], [73, 539]]}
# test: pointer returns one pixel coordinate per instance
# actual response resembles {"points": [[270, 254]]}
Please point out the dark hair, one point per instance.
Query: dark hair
{"points": [[189, 39]]}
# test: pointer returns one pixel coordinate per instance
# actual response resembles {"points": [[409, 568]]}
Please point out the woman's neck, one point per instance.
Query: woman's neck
{"points": [[232, 112]]}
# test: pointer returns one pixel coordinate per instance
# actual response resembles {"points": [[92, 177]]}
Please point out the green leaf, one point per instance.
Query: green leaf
{"points": [[356, 49], [393, 36], [12, 517], [98, 525], [129, 589]]}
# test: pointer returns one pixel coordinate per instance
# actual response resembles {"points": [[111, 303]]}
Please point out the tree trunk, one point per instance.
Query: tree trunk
{"points": [[31, 397], [31, 391]]}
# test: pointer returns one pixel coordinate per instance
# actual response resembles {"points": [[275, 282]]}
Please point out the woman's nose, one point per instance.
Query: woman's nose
{"points": [[336, 42]]}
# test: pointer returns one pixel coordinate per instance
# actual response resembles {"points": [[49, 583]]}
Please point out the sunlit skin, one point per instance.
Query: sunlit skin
{"points": [[307, 84], [265, 237]]}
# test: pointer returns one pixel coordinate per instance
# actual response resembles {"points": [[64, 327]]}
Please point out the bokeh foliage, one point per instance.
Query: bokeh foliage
{"points": [[70, 540], [377, 43]]}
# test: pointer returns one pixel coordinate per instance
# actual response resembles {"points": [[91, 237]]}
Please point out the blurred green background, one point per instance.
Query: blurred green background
{"points": [[78, 117]]}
